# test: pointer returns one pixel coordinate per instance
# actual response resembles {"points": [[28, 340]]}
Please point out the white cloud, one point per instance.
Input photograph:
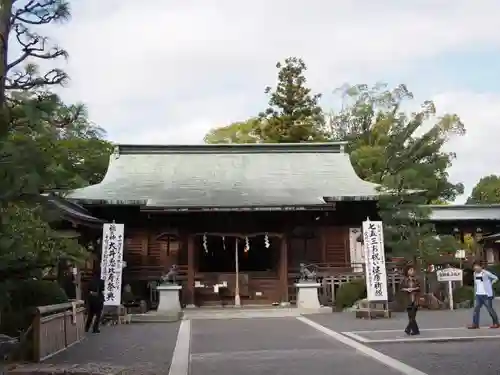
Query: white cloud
{"points": [[163, 71], [478, 153]]}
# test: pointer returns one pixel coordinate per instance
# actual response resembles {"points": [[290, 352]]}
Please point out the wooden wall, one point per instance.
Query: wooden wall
{"points": [[148, 258], [336, 245]]}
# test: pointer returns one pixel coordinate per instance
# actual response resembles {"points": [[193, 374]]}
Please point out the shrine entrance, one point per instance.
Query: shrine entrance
{"points": [[258, 253], [236, 269]]}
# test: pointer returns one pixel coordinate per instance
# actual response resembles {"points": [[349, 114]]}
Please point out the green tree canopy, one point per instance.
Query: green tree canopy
{"points": [[486, 191], [387, 143], [40, 156], [44, 143], [237, 132], [294, 113], [402, 151]]}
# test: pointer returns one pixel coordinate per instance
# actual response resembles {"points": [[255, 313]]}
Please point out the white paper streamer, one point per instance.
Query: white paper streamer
{"points": [[205, 244]]}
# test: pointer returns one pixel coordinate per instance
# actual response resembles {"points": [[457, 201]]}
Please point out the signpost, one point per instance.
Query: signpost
{"points": [[450, 275]]}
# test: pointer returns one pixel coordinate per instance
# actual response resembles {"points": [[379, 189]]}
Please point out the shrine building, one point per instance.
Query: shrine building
{"points": [[271, 206], [268, 206]]}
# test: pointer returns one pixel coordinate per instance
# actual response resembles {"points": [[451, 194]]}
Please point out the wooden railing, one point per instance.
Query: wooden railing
{"points": [[341, 268], [56, 328], [333, 275], [152, 272]]}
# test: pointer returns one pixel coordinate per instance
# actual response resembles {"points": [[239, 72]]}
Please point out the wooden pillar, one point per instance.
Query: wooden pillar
{"points": [[322, 236], [144, 244], [283, 274], [78, 284], [191, 268]]}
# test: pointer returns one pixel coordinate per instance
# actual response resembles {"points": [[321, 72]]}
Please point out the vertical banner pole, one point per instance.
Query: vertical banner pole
{"points": [[237, 300], [112, 262], [450, 293], [375, 266]]}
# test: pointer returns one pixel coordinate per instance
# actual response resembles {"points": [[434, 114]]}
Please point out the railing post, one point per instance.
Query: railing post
{"points": [[36, 335], [65, 325]]}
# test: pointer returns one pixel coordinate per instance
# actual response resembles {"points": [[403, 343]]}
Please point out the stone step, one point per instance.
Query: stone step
{"points": [[154, 317], [243, 313], [224, 313]]}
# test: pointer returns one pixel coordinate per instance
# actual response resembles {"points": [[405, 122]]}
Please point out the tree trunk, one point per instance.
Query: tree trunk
{"points": [[5, 25]]}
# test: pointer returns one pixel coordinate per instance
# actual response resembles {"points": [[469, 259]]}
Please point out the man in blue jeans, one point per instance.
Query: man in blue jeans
{"points": [[483, 289]]}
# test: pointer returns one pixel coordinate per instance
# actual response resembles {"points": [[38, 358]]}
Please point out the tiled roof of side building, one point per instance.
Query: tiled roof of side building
{"points": [[472, 212], [257, 175]]}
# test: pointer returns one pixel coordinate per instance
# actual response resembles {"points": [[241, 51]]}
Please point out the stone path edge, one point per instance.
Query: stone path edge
{"points": [[410, 340], [182, 352], [393, 363]]}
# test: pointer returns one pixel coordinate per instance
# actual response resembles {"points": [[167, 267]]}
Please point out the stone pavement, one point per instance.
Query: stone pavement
{"points": [[141, 349], [426, 335], [444, 347], [447, 358], [441, 325], [319, 344], [273, 346]]}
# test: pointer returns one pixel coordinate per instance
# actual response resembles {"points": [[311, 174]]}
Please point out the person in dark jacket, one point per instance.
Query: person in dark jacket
{"points": [[410, 286], [95, 304]]}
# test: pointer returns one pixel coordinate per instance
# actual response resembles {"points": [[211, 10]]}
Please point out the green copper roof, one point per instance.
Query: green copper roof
{"points": [[471, 212], [258, 175]]}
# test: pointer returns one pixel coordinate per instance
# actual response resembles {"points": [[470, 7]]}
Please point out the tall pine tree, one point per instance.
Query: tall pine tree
{"points": [[294, 113]]}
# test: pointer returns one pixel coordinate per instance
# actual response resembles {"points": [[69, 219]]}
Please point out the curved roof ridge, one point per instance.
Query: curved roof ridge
{"points": [[330, 147], [290, 175]]}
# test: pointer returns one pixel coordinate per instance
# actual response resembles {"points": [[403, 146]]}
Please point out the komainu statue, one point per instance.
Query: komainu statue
{"points": [[308, 273], [171, 276]]}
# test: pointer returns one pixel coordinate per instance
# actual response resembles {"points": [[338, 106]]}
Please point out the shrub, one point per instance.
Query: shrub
{"points": [[349, 293], [23, 297], [495, 270], [463, 293], [30, 293]]}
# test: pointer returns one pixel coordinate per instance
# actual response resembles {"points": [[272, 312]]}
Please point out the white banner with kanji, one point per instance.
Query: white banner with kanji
{"points": [[112, 262], [376, 271]]}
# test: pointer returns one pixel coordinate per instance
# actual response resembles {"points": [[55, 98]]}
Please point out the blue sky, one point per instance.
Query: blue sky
{"points": [[164, 71]]}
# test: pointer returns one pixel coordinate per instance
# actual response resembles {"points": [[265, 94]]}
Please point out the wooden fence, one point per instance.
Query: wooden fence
{"points": [[56, 328], [330, 284]]}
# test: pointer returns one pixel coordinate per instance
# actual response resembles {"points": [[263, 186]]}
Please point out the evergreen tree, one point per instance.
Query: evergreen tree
{"points": [[294, 114]]}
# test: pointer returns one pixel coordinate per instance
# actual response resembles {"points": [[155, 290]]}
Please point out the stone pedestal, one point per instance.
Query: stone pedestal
{"points": [[169, 303], [307, 296]]}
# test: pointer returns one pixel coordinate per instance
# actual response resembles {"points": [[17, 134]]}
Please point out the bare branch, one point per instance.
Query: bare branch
{"points": [[28, 80], [33, 45], [42, 12]]}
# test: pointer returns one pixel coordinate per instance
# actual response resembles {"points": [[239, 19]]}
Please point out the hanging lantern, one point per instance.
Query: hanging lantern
{"points": [[205, 244], [247, 244], [266, 241]]}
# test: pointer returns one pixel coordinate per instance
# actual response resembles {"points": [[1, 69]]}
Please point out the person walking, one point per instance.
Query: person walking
{"points": [[95, 304], [483, 291], [411, 287]]}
